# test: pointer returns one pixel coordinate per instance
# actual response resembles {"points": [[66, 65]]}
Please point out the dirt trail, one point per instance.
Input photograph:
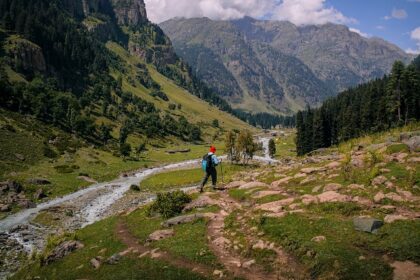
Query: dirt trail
{"points": [[285, 266], [133, 244]]}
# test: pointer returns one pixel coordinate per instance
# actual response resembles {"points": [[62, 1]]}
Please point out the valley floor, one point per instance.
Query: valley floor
{"points": [[350, 212]]}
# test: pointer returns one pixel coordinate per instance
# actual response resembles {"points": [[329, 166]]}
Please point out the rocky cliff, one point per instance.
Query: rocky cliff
{"points": [[277, 64]]}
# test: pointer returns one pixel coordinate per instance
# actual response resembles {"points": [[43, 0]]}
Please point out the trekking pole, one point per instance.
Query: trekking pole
{"points": [[221, 171]]}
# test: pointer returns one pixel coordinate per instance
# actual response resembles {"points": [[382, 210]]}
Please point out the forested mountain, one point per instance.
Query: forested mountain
{"points": [[275, 65], [375, 106], [87, 66]]}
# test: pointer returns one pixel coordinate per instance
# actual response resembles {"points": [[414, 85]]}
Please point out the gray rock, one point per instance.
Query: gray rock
{"points": [[114, 259], [20, 157], [182, 219], [367, 224], [413, 143], [4, 208], [62, 250], [12, 186], [39, 194], [38, 181], [27, 204]]}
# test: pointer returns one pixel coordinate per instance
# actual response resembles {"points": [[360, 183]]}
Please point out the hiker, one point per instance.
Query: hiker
{"points": [[209, 163]]}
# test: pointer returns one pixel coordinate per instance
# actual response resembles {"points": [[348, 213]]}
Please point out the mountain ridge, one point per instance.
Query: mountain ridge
{"points": [[324, 56]]}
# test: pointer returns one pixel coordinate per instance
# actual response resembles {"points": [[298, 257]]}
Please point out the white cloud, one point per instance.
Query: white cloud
{"points": [[359, 32], [381, 27], [299, 12], [397, 14], [161, 10], [415, 35], [411, 51]]}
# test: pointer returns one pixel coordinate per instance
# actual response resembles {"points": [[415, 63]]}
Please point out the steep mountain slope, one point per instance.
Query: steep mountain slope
{"points": [[307, 64]]}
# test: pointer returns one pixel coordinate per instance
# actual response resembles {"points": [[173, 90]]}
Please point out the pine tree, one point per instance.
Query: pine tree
{"points": [[394, 90], [272, 148]]}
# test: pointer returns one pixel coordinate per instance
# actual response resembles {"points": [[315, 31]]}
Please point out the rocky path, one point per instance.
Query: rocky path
{"points": [[234, 262], [136, 248]]}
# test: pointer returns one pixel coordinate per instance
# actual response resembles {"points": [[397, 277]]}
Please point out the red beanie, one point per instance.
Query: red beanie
{"points": [[212, 149]]}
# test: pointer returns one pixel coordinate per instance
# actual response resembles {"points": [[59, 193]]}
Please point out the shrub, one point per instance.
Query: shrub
{"points": [[169, 204], [135, 188]]}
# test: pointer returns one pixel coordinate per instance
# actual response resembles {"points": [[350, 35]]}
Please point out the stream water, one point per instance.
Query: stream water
{"points": [[93, 202]]}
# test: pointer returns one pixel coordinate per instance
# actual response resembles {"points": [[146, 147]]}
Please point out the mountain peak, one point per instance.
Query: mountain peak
{"points": [[130, 12]]}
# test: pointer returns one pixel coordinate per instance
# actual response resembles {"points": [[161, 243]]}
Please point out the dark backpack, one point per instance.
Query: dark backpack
{"points": [[207, 162]]}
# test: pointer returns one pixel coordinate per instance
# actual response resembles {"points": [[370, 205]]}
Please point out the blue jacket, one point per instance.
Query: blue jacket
{"points": [[214, 159]]}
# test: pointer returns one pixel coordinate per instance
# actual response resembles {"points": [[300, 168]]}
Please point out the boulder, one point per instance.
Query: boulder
{"points": [[308, 180], [160, 234], [362, 201], [332, 196], [395, 197], [309, 199], [202, 201], [275, 206], [252, 185], [333, 165], [234, 184], [355, 187], [4, 208], [10, 186], [379, 180], [248, 264], [20, 157], [39, 194], [95, 262], [392, 218], [316, 189], [114, 259], [379, 197], [310, 170], [413, 143], [367, 224], [183, 219], [26, 203], [407, 270], [281, 181], [318, 239], [261, 194], [332, 187], [414, 160], [62, 250], [38, 181]]}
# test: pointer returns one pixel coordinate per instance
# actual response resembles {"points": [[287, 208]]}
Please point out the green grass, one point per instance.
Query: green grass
{"points": [[285, 145], [397, 148], [95, 238], [335, 258], [188, 177], [190, 241]]}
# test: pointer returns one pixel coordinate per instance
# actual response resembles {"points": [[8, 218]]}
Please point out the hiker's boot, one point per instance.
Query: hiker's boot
{"points": [[201, 189]]}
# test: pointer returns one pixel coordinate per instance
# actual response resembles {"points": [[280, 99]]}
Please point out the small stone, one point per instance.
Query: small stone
{"points": [[95, 262], [332, 187], [38, 181], [333, 165], [114, 259], [392, 218], [395, 197], [316, 189], [367, 224], [332, 196], [235, 184], [160, 234], [384, 170], [319, 238], [379, 180], [361, 258], [4, 208], [309, 199], [378, 197], [218, 273], [248, 264], [355, 187], [252, 185]]}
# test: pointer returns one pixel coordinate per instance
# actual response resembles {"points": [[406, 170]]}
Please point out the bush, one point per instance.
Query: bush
{"points": [[135, 188], [169, 204]]}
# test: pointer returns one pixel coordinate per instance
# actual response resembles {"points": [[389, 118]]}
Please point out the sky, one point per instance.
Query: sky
{"points": [[397, 21]]}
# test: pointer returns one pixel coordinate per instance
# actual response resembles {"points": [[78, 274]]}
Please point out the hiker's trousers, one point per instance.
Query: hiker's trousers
{"points": [[213, 173]]}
